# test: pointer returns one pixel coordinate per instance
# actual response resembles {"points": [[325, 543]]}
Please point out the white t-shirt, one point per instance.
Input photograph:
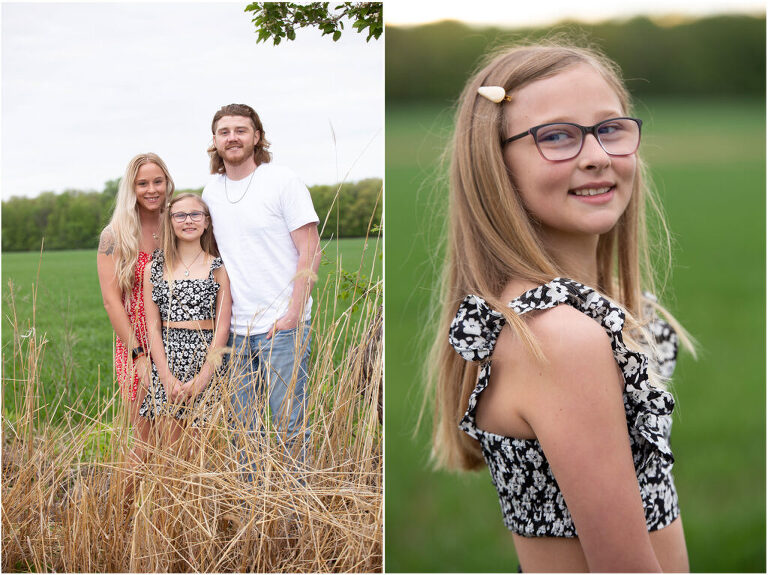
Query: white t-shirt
{"points": [[253, 225]]}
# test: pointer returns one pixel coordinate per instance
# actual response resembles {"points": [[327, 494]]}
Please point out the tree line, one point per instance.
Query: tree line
{"points": [[714, 56], [73, 219]]}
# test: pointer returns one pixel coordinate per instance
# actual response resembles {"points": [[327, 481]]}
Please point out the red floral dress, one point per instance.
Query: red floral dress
{"points": [[138, 320]]}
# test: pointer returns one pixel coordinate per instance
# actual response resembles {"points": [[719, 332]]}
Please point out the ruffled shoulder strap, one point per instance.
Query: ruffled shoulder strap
{"points": [[664, 338], [473, 334], [215, 264], [474, 330], [643, 403], [158, 262]]}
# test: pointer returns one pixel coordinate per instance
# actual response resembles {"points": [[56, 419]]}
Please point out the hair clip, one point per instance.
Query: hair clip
{"points": [[495, 94]]}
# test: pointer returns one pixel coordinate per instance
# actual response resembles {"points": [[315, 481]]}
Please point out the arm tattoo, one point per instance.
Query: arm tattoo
{"points": [[106, 242]]}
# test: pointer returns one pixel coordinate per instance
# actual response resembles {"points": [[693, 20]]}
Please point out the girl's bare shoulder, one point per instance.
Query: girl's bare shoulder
{"points": [[576, 362], [107, 241], [567, 338], [560, 332]]}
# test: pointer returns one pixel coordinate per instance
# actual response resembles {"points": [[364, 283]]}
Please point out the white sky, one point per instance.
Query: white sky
{"points": [[86, 86], [520, 13]]}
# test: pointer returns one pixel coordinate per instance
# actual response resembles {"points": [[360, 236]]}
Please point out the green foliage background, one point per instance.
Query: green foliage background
{"points": [[73, 219], [707, 155], [723, 55]]}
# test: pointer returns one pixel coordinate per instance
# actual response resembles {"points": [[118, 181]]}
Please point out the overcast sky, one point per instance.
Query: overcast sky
{"points": [[86, 86], [524, 13]]}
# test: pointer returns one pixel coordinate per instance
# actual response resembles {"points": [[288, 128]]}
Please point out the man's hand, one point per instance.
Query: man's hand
{"points": [[289, 321]]}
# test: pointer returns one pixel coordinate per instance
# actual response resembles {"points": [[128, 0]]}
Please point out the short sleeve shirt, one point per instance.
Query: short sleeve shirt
{"points": [[252, 221]]}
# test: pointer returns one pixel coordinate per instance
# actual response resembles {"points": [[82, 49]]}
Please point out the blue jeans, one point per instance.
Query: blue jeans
{"points": [[276, 368]]}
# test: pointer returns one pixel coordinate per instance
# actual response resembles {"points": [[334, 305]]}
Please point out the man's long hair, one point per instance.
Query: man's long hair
{"points": [[261, 154]]}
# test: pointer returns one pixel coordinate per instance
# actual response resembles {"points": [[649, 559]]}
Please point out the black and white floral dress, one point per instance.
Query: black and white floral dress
{"points": [[185, 349], [531, 502]]}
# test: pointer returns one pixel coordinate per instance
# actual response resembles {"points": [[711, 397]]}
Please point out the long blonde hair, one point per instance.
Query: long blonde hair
{"points": [[491, 238], [126, 224]]}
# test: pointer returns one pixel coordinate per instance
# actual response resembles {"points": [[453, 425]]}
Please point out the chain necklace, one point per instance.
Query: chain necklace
{"points": [[186, 273], [226, 193]]}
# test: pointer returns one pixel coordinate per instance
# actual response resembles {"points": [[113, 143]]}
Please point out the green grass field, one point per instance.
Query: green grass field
{"points": [[69, 310], [708, 163]]}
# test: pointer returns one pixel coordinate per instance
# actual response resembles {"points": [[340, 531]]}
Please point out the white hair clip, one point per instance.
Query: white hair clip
{"points": [[493, 93]]}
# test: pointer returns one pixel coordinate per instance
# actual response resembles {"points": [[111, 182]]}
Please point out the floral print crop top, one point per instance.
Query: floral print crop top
{"points": [[191, 299], [531, 502]]}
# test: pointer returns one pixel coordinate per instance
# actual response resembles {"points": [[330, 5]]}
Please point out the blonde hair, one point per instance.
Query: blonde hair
{"points": [[125, 222], [491, 238], [170, 242]]}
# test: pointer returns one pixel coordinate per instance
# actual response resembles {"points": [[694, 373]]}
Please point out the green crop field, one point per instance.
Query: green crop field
{"points": [[68, 309], [708, 163]]}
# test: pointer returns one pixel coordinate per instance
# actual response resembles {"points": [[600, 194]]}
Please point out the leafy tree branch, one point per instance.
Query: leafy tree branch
{"points": [[279, 20]]}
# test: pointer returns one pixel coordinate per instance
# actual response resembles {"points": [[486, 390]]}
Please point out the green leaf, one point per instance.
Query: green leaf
{"points": [[336, 35]]}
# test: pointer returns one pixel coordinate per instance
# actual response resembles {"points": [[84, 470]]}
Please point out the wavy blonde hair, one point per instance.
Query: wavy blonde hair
{"points": [[492, 239], [126, 224]]}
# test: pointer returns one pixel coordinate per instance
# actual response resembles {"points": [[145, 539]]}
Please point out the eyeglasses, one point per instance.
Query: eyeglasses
{"points": [[181, 217], [563, 140]]}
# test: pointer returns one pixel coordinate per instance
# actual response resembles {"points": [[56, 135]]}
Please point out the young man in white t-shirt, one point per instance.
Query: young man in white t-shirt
{"points": [[266, 230]]}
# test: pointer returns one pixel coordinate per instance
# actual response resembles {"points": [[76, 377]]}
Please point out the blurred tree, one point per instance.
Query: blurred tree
{"points": [[73, 219], [278, 20], [345, 211], [716, 56], [111, 188]]}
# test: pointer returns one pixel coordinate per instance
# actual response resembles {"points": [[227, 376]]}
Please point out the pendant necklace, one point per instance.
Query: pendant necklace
{"points": [[226, 193], [186, 273]]}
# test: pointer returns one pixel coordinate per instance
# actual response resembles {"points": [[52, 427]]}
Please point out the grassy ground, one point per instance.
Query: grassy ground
{"points": [[70, 312], [708, 162], [73, 502]]}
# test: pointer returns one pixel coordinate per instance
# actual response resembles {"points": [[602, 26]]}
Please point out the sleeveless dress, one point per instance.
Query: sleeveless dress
{"points": [[135, 308], [531, 502], [185, 349]]}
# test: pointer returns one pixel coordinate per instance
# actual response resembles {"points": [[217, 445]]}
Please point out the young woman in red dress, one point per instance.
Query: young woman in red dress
{"points": [[125, 248]]}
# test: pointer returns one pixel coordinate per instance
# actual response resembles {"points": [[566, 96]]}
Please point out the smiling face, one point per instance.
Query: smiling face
{"points": [[235, 138], [150, 186], [189, 230], [583, 196]]}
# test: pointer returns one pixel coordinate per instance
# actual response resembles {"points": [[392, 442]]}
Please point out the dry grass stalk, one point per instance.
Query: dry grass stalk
{"points": [[72, 502]]}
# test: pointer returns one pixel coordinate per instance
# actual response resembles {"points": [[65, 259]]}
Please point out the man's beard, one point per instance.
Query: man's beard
{"points": [[237, 160]]}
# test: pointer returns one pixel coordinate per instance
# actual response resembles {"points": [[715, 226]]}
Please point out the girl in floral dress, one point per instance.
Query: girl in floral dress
{"points": [[550, 361], [188, 307]]}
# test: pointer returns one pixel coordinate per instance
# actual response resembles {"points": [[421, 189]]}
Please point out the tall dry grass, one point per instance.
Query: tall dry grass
{"points": [[73, 499]]}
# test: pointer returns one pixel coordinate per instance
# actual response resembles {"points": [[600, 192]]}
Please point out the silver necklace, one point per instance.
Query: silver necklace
{"points": [[186, 273], [226, 193]]}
